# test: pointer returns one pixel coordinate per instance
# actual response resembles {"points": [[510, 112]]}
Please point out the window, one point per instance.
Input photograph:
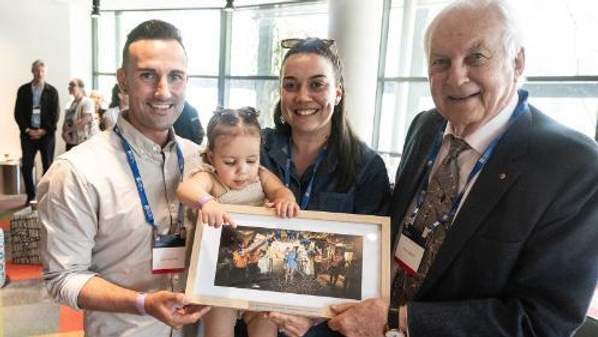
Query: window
{"points": [[246, 73], [563, 81], [203, 50], [256, 54], [404, 90], [108, 44]]}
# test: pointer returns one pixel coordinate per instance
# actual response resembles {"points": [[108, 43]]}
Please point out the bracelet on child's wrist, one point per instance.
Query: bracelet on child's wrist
{"points": [[201, 202], [140, 303]]}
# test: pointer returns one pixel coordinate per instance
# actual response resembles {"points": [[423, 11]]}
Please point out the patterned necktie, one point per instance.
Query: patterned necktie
{"points": [[442, 191]]}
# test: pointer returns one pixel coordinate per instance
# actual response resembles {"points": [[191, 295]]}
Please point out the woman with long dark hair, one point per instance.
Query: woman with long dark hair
{"points": [[312, 147]]}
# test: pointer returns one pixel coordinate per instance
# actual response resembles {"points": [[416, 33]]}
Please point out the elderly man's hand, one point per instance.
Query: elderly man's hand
{"points": [[173, 308], [364, 319]]}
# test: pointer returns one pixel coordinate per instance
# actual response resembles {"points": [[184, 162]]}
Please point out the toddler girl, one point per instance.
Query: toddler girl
{"points": [[232, 175]]}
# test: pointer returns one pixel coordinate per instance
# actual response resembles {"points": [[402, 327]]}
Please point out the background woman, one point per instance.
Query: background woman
{"points": [[118, 102], [78, 123]]}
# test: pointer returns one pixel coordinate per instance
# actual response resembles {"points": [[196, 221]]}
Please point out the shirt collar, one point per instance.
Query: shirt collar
{"points": [[139, 142], [483, 136], [41, 86], [279, 151]]}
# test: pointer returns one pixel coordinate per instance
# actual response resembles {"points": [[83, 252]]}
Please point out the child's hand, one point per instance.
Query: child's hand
{"points": [[285, 208], [214, 215]]}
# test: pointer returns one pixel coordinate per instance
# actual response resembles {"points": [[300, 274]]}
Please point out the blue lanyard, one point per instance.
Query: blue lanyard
{"points": [[147, 210], [521, 108], [287, 174]]}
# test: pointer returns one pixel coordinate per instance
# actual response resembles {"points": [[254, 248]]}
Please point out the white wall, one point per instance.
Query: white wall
{"points": [[56, 31]]}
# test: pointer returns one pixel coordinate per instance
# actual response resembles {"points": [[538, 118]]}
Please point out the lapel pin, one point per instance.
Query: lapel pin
{"points": [[502, 176]]}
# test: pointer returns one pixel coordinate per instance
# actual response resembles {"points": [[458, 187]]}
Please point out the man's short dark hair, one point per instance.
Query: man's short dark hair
{"points": [[151, 30], [36, 63]]}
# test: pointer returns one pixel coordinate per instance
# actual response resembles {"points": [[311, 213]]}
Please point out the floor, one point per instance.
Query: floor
{"points": [[25, 307]]}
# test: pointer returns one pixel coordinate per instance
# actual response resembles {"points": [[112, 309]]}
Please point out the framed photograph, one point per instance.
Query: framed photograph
{"points": [[298, 265]]}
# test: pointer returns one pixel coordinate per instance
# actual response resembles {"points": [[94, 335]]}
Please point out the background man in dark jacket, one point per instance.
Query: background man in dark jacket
{"points": [[36, 113], [188, 125]]}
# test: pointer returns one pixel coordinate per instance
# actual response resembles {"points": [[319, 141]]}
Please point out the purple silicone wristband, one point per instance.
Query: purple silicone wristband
{"points": [[204, 200], [140, 303]]}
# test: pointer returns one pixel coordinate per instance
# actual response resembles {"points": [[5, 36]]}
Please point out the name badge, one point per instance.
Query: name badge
{"points": [[168, 254], [409, 252], [36, 117]]}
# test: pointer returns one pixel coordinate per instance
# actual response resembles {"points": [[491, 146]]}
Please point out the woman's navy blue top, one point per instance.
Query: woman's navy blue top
{"points": [[369, 194]]}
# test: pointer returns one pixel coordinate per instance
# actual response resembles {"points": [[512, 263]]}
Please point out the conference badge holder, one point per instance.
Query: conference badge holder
{"points": [[168, 254], [410, 250], [36, 117]]}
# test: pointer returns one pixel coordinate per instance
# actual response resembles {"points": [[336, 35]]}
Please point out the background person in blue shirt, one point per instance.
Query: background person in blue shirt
{"points": [[312, 148]]}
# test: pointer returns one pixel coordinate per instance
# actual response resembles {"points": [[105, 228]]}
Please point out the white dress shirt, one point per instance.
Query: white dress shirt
{"points": [[93, 222], [479, 140]]}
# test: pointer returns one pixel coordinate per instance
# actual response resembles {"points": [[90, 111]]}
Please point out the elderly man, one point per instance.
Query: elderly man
{"points": [[36, 112], [109, 209], [495, 208]]}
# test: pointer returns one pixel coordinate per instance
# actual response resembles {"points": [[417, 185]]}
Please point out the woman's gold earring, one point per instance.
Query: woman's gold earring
{"points": [[282, 121]]}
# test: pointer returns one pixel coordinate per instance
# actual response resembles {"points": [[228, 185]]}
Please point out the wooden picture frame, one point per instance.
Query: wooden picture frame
{"points": [[298, 265]]}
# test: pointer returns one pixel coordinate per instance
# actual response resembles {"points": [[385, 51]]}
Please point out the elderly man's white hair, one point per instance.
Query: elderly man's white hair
{"points": [[512, 34]]}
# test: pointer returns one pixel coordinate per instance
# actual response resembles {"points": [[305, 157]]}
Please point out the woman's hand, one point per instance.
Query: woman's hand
{"points": [[214, 215], [285, 208], [291, 325]]}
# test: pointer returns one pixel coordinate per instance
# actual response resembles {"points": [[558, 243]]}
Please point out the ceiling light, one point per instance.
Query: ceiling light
{"points": [[229, 6], [95, 8]]}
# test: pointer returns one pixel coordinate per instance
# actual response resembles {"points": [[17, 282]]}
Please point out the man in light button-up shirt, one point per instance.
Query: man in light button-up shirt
{"points": [[97, 243]]}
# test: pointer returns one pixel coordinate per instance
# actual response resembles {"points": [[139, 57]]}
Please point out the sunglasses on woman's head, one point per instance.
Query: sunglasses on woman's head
{"points": [[290, 43]]}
